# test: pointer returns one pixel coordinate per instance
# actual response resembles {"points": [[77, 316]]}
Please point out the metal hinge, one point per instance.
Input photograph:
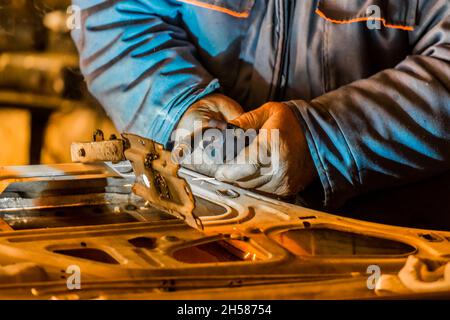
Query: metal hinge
{"points": [[157, 179]]}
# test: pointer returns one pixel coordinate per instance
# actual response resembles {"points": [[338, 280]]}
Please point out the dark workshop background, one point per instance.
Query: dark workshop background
{"points": [[44, 104]]}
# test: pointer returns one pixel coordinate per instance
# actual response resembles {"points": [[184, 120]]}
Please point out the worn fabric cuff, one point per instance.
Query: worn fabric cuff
{"points": [[330, 152], [178, 107]]}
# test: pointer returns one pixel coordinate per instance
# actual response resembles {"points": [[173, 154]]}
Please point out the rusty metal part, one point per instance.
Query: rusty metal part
{"points": [[100, 151], [157, 179]]}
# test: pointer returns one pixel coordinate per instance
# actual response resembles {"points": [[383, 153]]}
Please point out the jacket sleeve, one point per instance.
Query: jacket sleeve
{"points": [[390, 129], [138, 62]]}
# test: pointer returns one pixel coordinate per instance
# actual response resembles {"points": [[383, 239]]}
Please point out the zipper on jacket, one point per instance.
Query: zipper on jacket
{"points": [[287, 11]]}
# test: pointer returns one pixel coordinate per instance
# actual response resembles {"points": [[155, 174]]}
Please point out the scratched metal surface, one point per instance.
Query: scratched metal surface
{"points": [[127, 249]]}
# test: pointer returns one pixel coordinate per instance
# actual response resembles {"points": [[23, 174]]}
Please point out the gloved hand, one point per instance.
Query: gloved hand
{"points": [[278, 160], [203, 114]]}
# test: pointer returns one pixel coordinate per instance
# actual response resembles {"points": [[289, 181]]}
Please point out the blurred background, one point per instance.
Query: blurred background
{"points": [[44, 103]]}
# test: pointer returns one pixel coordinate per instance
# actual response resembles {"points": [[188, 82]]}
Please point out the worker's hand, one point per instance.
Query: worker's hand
{"points": [[205, 114], [278, 161]]}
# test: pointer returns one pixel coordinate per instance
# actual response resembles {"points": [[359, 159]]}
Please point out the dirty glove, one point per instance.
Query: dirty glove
{"points": [[276, 162], [206, 113]]}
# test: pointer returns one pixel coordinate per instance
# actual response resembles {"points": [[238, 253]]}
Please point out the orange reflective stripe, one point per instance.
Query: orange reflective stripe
{"points": [[217, 8], [362, 19]]}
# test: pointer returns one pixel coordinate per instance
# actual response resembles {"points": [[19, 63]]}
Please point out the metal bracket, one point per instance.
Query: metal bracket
{"points": [[157, 179]]}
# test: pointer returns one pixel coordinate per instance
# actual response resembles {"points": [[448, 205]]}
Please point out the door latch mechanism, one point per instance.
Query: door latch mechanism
{"points": [[157, 179]]}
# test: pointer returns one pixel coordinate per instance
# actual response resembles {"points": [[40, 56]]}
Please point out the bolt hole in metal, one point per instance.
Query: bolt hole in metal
{"points": [[329, 242], [171, 238], [430, 237], [256, 231], [82, 153], [306, 224]]}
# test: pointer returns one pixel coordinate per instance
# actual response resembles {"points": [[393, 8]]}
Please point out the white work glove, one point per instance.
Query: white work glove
{"points": [[276, 162], [205, 113]]}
